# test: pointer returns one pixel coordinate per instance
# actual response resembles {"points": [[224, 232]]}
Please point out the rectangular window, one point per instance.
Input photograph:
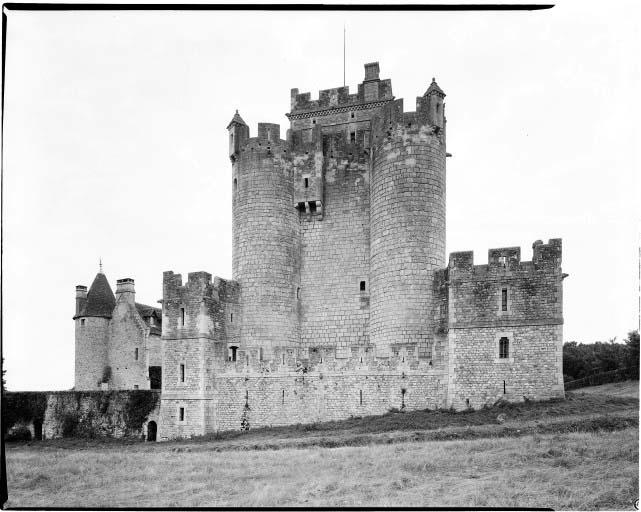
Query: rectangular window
{"points": [[82, 322], [181, 414], [361, 396], [306, 182], [182, 317], [504, 348], [182, 373], [504, 299], [362, 286], [135, 386], [135, 354]]}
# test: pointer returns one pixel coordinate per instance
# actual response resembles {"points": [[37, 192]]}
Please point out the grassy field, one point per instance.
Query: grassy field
{"points": [[581, 454]]}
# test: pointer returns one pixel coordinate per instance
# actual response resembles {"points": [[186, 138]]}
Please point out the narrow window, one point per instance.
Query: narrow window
{"points": [[235, 184], [247, 359], [504, 348], [283, 358], [504, 299], [313, 121], [231, 137], [260, 353], [82, 322], [135, 354], [231, 317], [467, 402], [182, 373], [283, 396], [298, 293], [352, 116], [362, 286], [181, 414], [306, 182], [182, 317], [352, 137], [504, 390], [269, 134], [233, 353], [361, 396]]}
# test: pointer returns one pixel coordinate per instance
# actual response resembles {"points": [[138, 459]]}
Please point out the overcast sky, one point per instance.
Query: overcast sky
{"points": [[115, 145]]}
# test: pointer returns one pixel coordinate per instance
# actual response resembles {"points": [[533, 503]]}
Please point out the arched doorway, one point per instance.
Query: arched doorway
{"points": [[152, 428]]}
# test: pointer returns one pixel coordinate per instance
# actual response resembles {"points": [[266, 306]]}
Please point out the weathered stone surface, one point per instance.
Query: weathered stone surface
{"points": [[341, 302]]}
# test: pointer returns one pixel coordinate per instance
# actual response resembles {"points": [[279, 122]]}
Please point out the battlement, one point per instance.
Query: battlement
{"points": [[509, 258], [371, 90], [307, 360], [427, 120], [198, 283]]}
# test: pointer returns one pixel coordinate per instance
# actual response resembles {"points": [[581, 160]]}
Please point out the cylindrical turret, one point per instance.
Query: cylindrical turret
{"points": [[93, 314], [265, 242], [407, 194]]}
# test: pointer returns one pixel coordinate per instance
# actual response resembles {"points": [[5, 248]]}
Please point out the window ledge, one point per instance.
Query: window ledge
{"points": [[504, 360]]}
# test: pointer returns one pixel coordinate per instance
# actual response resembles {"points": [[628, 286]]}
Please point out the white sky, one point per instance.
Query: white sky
{"points": [[115, 145]]}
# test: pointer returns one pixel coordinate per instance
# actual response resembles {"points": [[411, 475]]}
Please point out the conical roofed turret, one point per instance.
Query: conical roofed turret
{"points": [[236, 120], [100, 298], [238, 135], [434, 88]]}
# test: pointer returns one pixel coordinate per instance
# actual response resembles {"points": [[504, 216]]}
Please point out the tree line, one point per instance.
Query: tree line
{"points": [[584, 359]]}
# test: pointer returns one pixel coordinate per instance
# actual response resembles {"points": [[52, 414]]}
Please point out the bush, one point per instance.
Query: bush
{"points": [[19, 433]]}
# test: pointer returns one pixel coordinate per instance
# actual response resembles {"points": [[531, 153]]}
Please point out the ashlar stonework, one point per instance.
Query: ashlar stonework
{"points": [[340, 303]]}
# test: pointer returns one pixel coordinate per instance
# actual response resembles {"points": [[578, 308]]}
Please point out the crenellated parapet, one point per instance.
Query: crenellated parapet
{"points": [[198, 308], [506, 290], [372, 93], [504, 260], [318, 359]]}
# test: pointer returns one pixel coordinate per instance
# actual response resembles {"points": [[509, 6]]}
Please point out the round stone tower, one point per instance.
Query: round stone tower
{"points": [[265, 238], [407, 194], [93, 314]]}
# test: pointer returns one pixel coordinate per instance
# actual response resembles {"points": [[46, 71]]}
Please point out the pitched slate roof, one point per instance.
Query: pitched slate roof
{"points": [[100, 298], [147, 311]]}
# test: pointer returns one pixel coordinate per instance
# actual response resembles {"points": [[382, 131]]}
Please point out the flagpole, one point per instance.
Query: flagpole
{"points": [[343, 54]]}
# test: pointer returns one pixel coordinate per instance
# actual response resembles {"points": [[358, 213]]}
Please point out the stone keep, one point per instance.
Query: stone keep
{"points": [[341, 303]]}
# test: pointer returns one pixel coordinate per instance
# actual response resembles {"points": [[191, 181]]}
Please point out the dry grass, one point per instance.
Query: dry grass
{"points": [[580, 471], [628, 388], [580, 453]]}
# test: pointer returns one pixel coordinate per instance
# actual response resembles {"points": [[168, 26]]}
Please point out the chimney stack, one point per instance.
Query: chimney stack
{"points": [[125, 289], [81, 298]]}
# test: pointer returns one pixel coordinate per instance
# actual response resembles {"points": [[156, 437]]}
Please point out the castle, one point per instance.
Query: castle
{"points": [[341, 302]]}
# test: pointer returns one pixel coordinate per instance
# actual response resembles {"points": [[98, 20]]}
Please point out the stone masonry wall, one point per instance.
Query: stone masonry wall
{"points": [[507, 298], [335, 252], [265, 244], [531, 372], [128, 333], [91, 352], [407, 229], [250, 396], [87, 413]]}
